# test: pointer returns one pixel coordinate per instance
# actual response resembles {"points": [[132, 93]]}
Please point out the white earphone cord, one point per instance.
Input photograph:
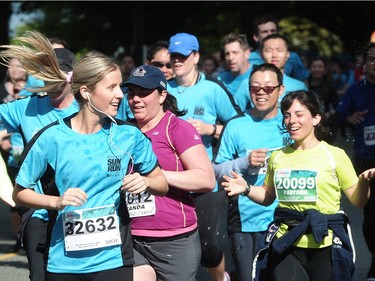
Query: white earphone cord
{"points": [[110, 133]]}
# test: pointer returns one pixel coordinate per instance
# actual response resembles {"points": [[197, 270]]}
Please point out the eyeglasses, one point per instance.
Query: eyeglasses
{"points": [[266, 89], [160, 64]]}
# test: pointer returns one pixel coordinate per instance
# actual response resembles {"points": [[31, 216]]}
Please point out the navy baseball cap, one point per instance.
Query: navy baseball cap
{"points": [[148, 77], [66, 59], [183, 43]]}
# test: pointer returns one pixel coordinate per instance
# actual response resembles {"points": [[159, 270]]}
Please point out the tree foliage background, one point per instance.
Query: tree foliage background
{"points": [[328, 27]]}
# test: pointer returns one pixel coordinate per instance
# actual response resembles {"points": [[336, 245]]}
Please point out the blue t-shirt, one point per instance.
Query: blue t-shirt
{"points": [[255, 58], [28, 116], [32, 83], [208, 100], [240, 136], [238, 86], [96, 163], [294, 66], [232, 82], [124, 112], [291, 85]]}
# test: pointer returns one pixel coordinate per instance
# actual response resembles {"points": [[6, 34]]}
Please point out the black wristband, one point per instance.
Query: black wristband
{"points": [[213, 134], [247, 191]]}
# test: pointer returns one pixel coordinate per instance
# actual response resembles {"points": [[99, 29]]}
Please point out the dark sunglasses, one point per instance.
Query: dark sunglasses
{"points": [[266, 89], [160, 64], [139, 91]]}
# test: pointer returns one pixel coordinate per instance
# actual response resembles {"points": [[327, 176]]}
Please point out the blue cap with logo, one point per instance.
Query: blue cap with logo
{"points": [[148, 77], [183, 43]]}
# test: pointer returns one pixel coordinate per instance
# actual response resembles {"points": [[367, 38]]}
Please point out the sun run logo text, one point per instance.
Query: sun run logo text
{"points": [[114, 165], [199, 111]]}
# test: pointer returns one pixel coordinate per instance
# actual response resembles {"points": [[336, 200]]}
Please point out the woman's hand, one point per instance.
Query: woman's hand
{"points": [[134, 183], [72, 197], [368, 174], [235, 185], [359, 193]]}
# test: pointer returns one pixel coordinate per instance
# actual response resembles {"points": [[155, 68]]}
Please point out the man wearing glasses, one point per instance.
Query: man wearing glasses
{"points": [[275, 50], [245, 146]]}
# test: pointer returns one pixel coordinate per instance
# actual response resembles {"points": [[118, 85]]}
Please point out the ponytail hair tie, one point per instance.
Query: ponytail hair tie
{"points": [[69, 77]]}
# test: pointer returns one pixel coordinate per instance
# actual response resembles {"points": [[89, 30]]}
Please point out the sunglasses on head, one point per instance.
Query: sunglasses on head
{"points": [[266, 89], [160, 64]]}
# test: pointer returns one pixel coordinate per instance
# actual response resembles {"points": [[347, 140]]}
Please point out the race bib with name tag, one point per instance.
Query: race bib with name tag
{"points": [[369, 135], [296, 185], [92, 228], [140, 205]]}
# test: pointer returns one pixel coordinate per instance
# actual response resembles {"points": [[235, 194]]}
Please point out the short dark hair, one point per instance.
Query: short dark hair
{"points": [[262, 19], [156, 47], [268, 67], [274, 36], [211, 58], [57, 40], [237, 37]]}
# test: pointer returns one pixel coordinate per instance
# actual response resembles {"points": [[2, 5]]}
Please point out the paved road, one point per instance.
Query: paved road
{"points": [[13, 267]]}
